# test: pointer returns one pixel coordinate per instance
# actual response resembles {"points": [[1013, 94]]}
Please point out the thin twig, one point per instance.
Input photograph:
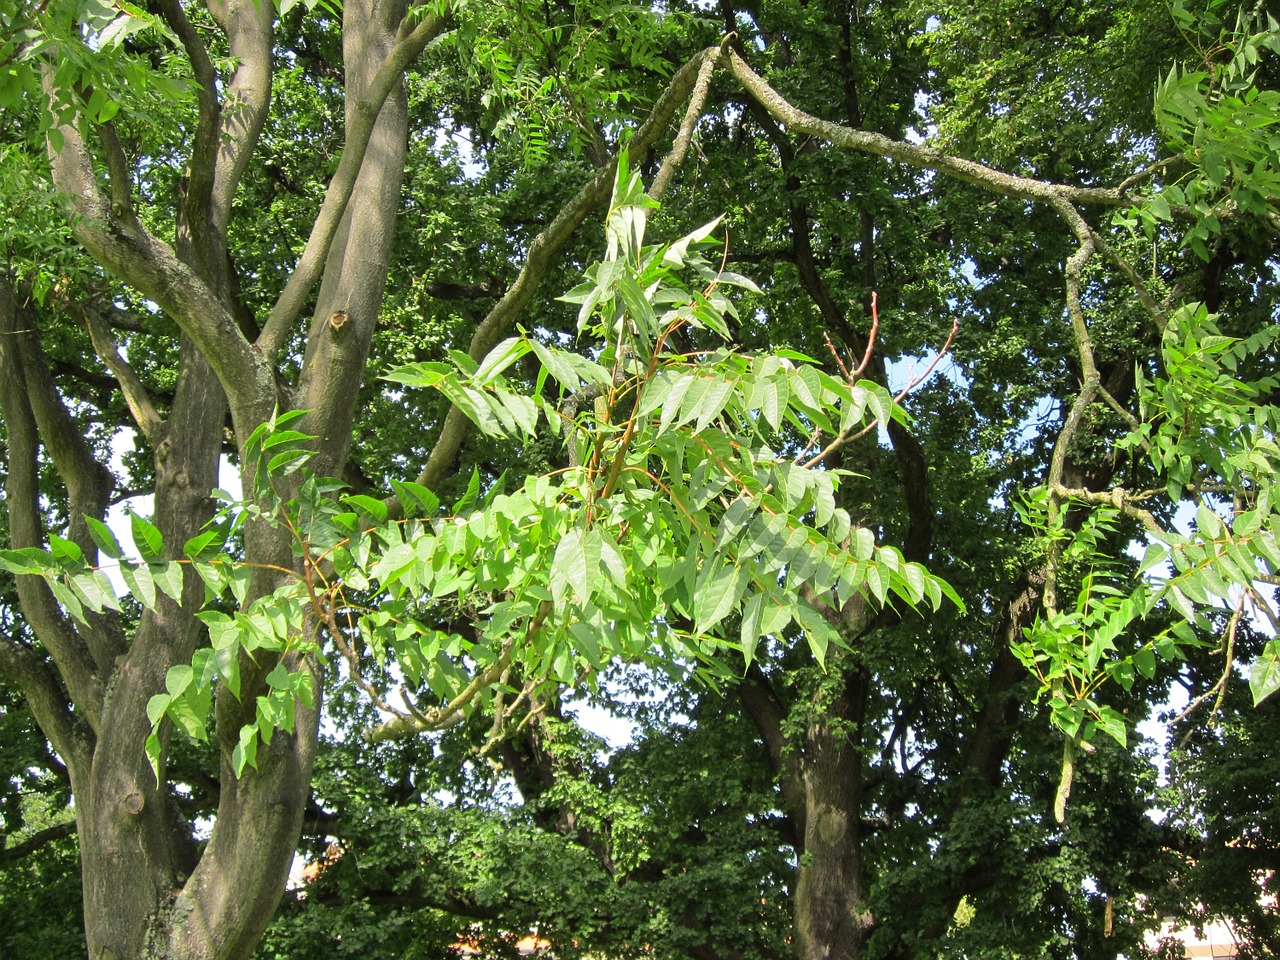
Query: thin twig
{"points": [[851, 434], [1220, 687]]}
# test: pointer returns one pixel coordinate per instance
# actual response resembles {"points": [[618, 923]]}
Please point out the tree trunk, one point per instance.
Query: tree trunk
{"points": [[149, 890], [832, 917]]}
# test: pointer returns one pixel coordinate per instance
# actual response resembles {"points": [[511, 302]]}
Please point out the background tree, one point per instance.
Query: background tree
{"points": [[988, 166]]}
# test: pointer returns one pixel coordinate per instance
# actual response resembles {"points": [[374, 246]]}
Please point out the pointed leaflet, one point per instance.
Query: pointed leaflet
{"points": [[1264, 675], [66, 552], [246, 751], [712, 403], [147, 539], [675, 254], [168, 577], [95, 590], [65, 596], [104, 538], [138, 580], [375, 509], [577, 557], [499, 358], [816, 629], [28, 560], [415, 498], [751, 626], [720, 587], [773, 400], [204, 546]]}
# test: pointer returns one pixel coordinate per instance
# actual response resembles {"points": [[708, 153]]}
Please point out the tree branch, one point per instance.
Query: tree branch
{"points": [[68, 734], [865, 141], [684, 136], [364, 115], [36, 841], [194, 214], [248, 25], [135, 394]]}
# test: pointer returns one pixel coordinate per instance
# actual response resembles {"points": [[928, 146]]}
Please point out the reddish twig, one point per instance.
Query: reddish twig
{"points": [[850, 435]]}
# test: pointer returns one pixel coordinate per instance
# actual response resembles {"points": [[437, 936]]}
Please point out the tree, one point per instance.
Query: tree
{"points": [[161, 125]]}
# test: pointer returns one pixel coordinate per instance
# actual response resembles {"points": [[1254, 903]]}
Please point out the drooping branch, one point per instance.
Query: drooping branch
{"points": [[684, 136], [1090, 385], [1157, 312], [865, 141]]}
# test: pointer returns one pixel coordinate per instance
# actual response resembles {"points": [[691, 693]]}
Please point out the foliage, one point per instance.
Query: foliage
{"points": [[478, 510], [1203, 433], [40, 912], [1221, 122], [562, 571]]}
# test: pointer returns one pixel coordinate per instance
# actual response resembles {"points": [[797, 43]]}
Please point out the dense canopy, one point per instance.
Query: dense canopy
{"points": [[688, 480]]}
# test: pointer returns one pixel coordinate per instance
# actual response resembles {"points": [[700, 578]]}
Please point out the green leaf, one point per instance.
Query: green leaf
{"points": [[751, 626], [283, 464], [875, 581], [712, 403], [168, 577], [153, 754], [719, 588], [915, 576], [574, 564], [499, 358], [1264, 674], [67, 597], [157, 706], [138, 579], [104, 538], [817, 631], [374, 508], [1144, 659], [178, 679], [65, 552], [864, 543], [205, 545], [420, 374], [226, 660], [28, 560], [1112, 724], [245, 753], [773, 402], [280, 437], [416, 499], [146, 538], [676, 253], [95, 590], [278, 678]]}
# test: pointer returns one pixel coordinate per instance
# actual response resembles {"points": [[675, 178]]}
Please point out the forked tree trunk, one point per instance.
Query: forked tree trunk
{"points": [[149, 890]]}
